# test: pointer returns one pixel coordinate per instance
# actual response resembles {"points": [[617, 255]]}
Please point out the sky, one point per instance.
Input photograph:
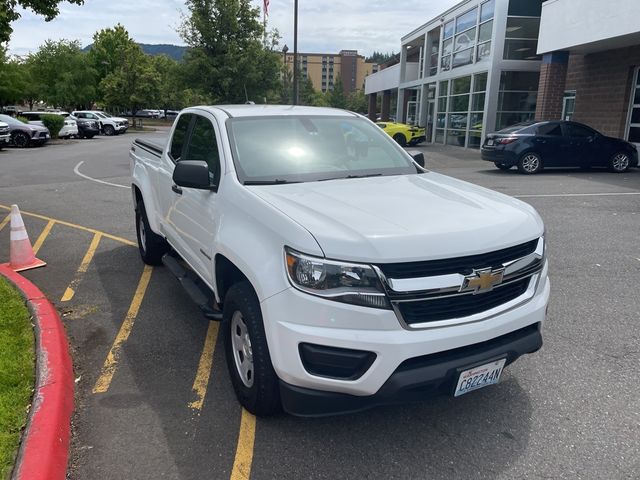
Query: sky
{"points": [[323, 26]]}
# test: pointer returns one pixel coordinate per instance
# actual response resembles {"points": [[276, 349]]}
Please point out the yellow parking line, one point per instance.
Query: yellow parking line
{"points": [[244, 450], [43, 236], [74, 225], [111, 363], [82, 269], [204, 367], [5, 221]]}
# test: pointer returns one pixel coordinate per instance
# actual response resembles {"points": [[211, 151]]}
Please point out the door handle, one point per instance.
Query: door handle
{"points": [[176, 189]]}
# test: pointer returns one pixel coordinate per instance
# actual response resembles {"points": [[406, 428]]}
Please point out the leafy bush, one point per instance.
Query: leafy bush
{"points": [[54, 123], [22, 119]]}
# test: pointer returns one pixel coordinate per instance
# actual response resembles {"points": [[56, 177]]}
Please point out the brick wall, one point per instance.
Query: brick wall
{"points": [[551, 90], [602, 82]]}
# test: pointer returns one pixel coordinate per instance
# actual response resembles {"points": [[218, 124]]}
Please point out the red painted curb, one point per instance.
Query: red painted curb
{"points": [[44, 451]]}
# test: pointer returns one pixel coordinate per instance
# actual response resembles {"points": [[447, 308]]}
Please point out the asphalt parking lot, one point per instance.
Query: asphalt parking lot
{"points": [[153, 395]]}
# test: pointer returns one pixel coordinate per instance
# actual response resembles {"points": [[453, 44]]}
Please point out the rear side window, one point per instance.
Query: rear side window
{"points": [[551, 129], [578, 130], [203, 146], [179, 137]]}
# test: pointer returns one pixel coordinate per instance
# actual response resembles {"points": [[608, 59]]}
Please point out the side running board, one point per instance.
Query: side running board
{"points": [[198, 291]]}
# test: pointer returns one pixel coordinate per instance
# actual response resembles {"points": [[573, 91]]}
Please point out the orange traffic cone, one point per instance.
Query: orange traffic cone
{"points": [[21, 256]]}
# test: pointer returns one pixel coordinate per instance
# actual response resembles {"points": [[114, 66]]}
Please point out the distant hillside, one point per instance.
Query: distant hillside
{"points": [[174, 51]]}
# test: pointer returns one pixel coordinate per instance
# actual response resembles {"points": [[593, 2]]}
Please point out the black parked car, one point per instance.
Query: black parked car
{"points": [[532, 146], [87, 127]]}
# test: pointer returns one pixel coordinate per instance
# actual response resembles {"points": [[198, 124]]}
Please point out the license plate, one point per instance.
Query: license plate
{"points": [[478, 377], [490, 142]]}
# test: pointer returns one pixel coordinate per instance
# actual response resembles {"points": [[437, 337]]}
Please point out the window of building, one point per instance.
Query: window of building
{"points": [[486, 10], [466, 20], [568, 104], [517, 96], [521, 38], [448, 30], [633, 123]]}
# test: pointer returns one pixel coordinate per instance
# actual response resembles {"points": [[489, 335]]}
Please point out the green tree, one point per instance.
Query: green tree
{"points": [[227, 60], [12, 80], [171, 90], [107, 53], [336, 97], [379, 57], [60, 74], [357, 102], [9, 12], [133, 85]]}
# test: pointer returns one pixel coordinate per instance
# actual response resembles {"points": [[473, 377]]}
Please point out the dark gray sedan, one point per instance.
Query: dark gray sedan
{"points": [[23, 134]]}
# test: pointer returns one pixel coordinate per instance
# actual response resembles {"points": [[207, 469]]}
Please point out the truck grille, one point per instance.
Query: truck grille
{"points": [[461, 265], [4, 130], [459, 306]]}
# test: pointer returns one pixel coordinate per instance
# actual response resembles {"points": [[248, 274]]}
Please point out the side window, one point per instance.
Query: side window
{"points": [[551, 129], [179, 136], [203, 146], [579, 131], [92, 115]]}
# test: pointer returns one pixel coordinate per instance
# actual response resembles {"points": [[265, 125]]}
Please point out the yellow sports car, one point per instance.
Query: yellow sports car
{"points": [[402, 133]]}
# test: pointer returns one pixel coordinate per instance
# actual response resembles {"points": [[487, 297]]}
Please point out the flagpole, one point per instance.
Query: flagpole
{"points": [[295, 52]]}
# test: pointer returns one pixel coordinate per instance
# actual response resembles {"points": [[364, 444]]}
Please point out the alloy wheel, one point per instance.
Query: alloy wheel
{"points": [[620, 162], [242, 353], [530, 163]]}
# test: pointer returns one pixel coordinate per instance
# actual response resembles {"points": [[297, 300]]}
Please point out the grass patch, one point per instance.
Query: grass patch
{"points": [[16, 372]]}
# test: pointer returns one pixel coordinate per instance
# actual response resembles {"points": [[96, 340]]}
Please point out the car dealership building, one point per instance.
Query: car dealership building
{"points": [[486, 64]]}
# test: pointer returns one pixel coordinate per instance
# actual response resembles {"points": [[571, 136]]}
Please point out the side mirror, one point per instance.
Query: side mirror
{"points": [[417, 156], [192, 174]]}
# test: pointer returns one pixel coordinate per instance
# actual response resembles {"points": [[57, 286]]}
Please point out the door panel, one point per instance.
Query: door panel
{"points": [[550, 144], [582, 150]]}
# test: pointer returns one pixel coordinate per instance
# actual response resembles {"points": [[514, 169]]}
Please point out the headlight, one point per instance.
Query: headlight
{"points": [[351, 283]]}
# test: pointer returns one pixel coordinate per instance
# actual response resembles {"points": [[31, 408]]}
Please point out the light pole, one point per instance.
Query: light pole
{"points": [[295, 52], [285, 49]]}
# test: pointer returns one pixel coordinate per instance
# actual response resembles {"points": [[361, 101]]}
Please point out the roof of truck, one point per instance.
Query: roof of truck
{"points": [[268, 110]]}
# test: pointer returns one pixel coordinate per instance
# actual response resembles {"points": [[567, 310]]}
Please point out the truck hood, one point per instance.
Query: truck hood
{"points": [[404, 218]]}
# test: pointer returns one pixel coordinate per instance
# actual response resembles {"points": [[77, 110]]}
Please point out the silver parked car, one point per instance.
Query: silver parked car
{"points": [[24, 134]]}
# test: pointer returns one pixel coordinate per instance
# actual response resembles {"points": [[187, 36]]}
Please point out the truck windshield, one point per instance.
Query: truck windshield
{"points": [[277, 149]]}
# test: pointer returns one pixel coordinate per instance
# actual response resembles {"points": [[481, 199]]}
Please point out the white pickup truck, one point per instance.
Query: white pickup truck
{"points": [[345, 274]]}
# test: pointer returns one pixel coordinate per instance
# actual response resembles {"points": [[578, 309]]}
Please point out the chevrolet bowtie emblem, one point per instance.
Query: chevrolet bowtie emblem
{"points": [[481, 281]]}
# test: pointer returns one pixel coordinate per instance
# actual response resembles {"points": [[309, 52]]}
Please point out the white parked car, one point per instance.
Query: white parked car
{"points": [[108, 125], [68, 130], [345, 274], [5, 135]]}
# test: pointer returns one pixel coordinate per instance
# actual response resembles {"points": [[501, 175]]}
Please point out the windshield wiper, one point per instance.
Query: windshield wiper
{"points": [[277, 181], [351, 176]]}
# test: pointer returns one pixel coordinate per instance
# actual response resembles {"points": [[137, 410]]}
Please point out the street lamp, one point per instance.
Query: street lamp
{"points": [[285, 49], [295, 52]]}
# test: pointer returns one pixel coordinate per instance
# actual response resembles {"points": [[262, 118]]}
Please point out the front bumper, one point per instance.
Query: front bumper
{"points": [[293, 318], [68, 130], [4, 139], [415, 379]]}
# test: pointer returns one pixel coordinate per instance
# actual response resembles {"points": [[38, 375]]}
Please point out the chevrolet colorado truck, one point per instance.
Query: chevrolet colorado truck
{"points": [[345, 274]]}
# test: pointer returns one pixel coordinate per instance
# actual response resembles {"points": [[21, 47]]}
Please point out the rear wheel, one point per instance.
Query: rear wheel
{"points": [[619, 163], [400, 139], [502, 166], [90, 136], [530, 163], [252, 375], [151, 245]]}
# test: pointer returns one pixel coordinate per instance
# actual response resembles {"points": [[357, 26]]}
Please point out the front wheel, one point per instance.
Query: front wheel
{"points": [[20, 139], [619, 163], [502, 166], [109, 130], [247, 353], [530, 163], [151, 245]]}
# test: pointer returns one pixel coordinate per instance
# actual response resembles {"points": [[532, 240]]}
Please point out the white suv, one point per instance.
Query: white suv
{"points": [[69, 128], [108, 125]]}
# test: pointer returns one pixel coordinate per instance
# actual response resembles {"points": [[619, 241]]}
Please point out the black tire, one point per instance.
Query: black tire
{"points": [[151, 245], [400, 139], [81, 135], [20, 139], [109, 130], [530, 163], [619, 163], [502, 166], [259, 391], [90, 136]]}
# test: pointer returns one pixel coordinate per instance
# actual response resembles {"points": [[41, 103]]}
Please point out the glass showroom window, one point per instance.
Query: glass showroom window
{"points": [[485, 29], [523, 25], [476, 114], [517, 97], [458, 118], [443, 91], [465, 39], [447, 46]]}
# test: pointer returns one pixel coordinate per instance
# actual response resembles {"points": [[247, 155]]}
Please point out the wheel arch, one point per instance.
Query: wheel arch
{"points": [[226, 274]]}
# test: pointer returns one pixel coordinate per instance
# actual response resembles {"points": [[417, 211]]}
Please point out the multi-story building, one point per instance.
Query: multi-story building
{"points": [[323, 69], [471, 70], [486, 64]]}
